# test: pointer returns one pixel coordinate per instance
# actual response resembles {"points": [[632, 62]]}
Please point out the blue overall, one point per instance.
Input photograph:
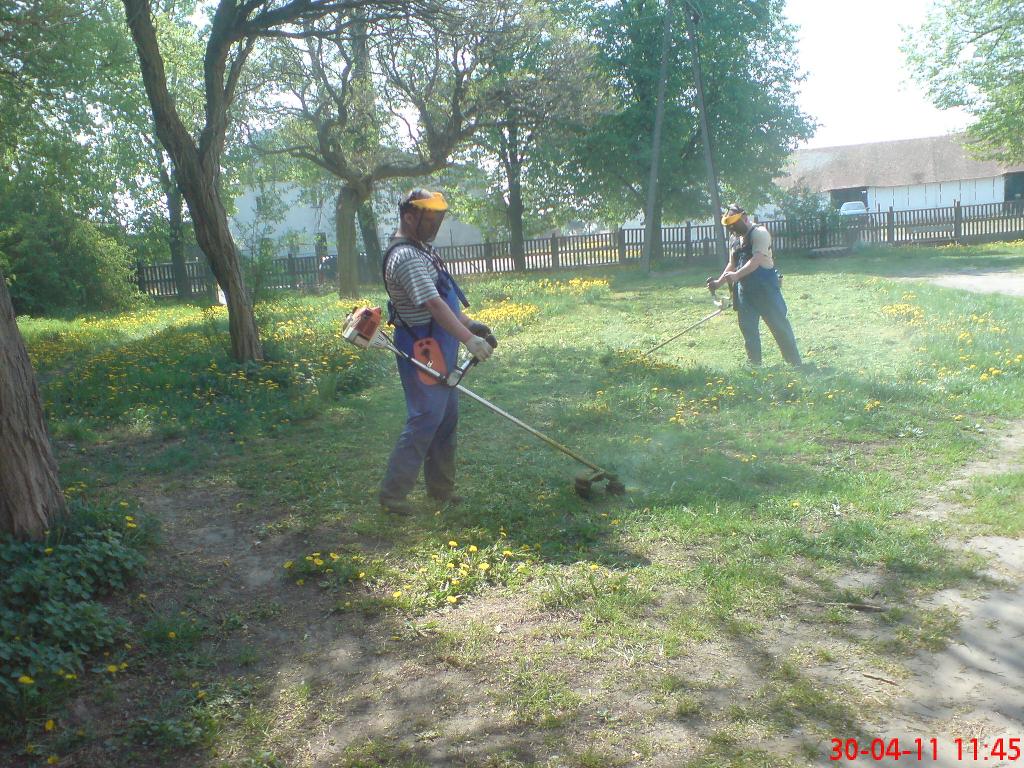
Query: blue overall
{"points": [[759, 295], [428, 438]]}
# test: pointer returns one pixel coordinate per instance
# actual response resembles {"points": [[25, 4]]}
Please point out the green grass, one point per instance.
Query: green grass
{"points": [[749, 491], [996, 502]]}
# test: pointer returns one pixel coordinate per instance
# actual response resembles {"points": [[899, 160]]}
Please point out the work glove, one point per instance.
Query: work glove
{"points": [[484, 332], [479, 348]]}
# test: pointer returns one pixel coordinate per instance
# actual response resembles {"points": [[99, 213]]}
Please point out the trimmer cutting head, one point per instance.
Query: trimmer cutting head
{"points": [[584, 484]]}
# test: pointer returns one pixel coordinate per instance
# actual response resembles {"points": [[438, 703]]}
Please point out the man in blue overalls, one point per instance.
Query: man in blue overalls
{"points": [[425, 303], [757, 290]]}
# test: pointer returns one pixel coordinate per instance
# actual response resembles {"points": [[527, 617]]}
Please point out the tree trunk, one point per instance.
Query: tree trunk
{"points": [[210, 222], [657, 245], [510, 153], [30, 494], [514, 213], [198, 165], [345, 231], [368, 228], [175, 208]]}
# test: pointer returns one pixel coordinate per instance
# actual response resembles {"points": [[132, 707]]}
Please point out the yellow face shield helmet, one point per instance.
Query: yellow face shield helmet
{"points": [[731, 216], [435, 202]]}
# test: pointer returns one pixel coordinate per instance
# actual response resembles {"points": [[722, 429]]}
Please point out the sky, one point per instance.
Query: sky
{"points": [[859, 87]]}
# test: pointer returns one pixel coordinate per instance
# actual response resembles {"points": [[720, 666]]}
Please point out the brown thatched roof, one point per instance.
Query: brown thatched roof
{"points": [[889, 164]]}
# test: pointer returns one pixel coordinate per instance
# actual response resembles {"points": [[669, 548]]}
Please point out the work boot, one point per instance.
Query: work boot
{"points": [[447, 498], [397, 506]]}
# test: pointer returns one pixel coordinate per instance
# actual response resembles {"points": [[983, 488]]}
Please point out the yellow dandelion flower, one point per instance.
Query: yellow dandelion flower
{"points": [[172, 634], [318, 562], [52, 760], [795, 505], [334, 556], [48, 551], [484, 566], [287, 564], [396, 594], [453, 599], [112, 668], [300, 582], [472, 547], [593, 566], [25, 680], [453, 543], [50, 725]]}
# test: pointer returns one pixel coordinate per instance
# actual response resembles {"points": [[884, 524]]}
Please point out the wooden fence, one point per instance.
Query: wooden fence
{"points": [[931, 226]]}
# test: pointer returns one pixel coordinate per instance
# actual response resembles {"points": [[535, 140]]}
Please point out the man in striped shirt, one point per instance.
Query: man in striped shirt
{"points": [[425, 302]]}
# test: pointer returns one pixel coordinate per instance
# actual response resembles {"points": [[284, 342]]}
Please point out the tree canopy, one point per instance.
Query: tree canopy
{"points": [[968, 53]]}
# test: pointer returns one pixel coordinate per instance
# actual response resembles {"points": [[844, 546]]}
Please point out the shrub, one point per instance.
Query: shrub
{"points": [[56, 261], [50, 617]]}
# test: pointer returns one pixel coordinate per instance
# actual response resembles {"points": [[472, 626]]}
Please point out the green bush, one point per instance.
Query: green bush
{"points": [[50, 616], [57, 261]]}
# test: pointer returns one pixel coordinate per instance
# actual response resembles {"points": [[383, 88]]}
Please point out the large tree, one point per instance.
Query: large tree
{"points": [[77, 122], [233, 33], [549, 95], [391, 100], [30, 494], [968, 53], [748, 54]]}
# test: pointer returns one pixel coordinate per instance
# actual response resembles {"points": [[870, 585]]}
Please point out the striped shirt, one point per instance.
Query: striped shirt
{"points": [[411, 279]]}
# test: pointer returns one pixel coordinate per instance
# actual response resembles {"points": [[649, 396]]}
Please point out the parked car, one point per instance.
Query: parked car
{"points": [[853, 208]]}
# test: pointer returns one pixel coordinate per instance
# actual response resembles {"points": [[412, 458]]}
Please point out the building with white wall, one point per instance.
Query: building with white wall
{"points": [[304, 217], [932, 172]]}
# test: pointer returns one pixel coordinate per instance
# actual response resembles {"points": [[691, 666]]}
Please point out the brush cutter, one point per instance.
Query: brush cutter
{"points": [[722, 304], [362, 328]]}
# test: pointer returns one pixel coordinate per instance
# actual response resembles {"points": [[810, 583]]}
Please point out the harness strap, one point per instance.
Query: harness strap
{"points": [[438, 264]]}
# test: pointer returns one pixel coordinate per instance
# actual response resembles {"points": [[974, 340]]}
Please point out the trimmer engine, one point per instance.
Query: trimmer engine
{"points": [[361, 327]]}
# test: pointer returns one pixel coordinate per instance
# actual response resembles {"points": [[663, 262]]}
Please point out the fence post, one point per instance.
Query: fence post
{"points": [[292, 275], [958, 221], [140, 277], [688, 242], [488, 256], [620, 244], [890, 227], [554, 252], [823, 233]]}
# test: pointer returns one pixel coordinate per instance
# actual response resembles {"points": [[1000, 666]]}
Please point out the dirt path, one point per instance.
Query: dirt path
{"points": [[1009, 283], [974, 688]]}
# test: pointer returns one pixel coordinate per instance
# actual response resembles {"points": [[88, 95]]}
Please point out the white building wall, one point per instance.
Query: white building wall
{"points": [[308, 220], [937, 195]]}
